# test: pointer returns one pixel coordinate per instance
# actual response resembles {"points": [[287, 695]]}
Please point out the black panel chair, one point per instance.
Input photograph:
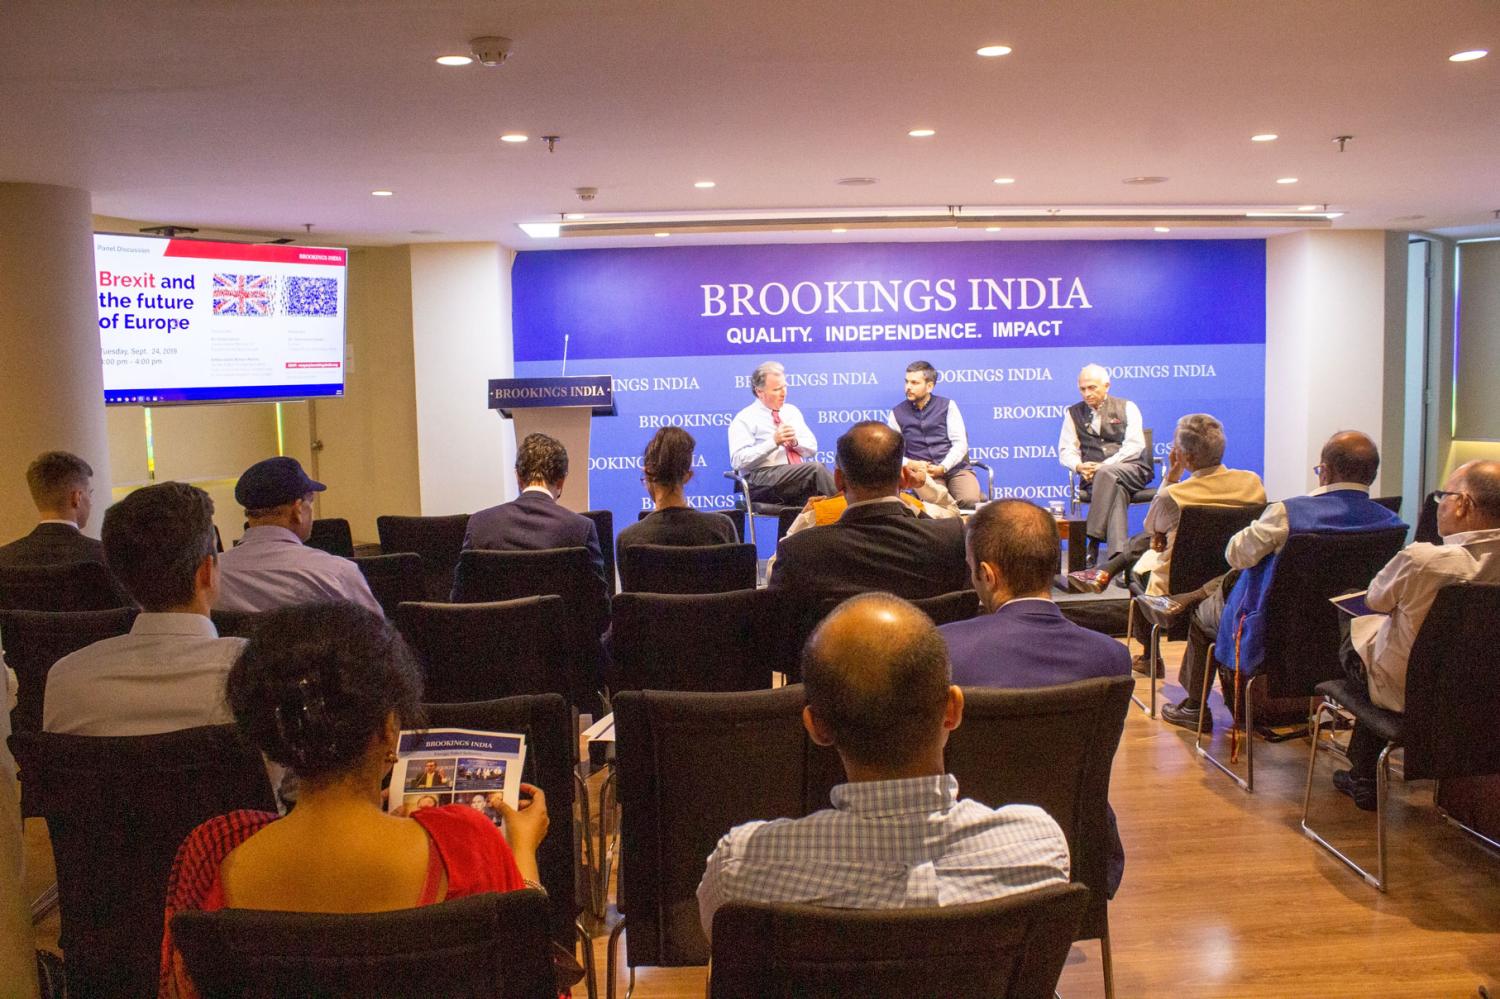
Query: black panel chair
{"points": [[687, 766], [74, 586], [1302, 628], [1391, 503], [438, 540], [563, 572], [794, 626], [34, 640], [332, 535], [1012, 947], [478, 652], [1452, 701], [551, 751], [702, 642], [679, 569], [1081, 492], [1427, 526], [235, 624], [1203, 532], [491, 945], [736, 517], [604, 525], [946, 608], [117, 809], [749, 509], [394, 579]]}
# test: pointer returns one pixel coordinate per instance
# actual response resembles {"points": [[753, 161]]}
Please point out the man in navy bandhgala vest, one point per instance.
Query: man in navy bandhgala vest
{"points": [[934, 433], [1228, 605], [1104, 441]]}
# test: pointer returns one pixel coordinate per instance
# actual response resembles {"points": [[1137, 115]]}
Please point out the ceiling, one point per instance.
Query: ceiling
{"points": [[261, 115]]}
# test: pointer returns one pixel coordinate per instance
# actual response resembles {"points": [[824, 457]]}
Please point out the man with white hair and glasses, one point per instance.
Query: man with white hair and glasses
{"points": [[772, 446], [1103, 441]]}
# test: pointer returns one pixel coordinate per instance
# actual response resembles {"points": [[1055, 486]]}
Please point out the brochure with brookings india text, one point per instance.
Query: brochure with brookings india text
{"points": [[457, 766]]}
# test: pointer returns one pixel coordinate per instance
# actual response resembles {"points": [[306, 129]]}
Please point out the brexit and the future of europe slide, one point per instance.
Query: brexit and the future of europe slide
{"points": [[1181, 325], [196, 321]]}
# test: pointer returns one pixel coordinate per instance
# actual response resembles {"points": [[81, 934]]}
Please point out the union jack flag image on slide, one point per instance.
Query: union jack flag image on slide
{"points": [[242, 294]]}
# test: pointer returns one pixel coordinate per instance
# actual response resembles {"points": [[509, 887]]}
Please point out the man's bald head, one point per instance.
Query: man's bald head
{"points": [[1481, 481], [869, 458], [877, 677], [1350, 456]]}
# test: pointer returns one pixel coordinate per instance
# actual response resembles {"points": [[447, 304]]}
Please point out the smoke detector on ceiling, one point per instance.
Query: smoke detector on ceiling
{"points": [[491, 50]]}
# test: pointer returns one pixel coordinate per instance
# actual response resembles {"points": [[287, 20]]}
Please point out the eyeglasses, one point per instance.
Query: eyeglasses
{"points": [[1318, 470], [1442, 494]]}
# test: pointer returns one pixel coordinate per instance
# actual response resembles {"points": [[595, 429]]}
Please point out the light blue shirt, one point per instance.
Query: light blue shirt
{"points": [[890, 844], [271, 568]]}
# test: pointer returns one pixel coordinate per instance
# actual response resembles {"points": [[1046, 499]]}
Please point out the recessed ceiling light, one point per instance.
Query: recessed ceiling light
{"points": [[991, 51], [1162, 228], [840, 230], [662, 235], [1264, 137], [574, 216], [1308, 208], [991, 228], [513, 137], [383, 194], [1469, 55], [1334, 215], [1286, 180], [454, 60], [704, 184], [541, 230], [1145, 180], [921, 133], [1005, 180], [855, 181]]}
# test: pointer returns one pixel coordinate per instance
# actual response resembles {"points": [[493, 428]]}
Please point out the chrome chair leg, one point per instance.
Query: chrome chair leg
{"points": [[46, 903], [612, 961], [1248, 781], [1155, 665], [1108, 965], [591, 974], [1382, 778]]}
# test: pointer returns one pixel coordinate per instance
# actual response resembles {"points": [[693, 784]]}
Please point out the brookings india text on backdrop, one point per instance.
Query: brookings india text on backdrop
{"points": [[1180, 323]]}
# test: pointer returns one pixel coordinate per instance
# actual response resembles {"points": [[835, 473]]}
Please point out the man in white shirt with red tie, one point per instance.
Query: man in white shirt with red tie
{"points": [[772, 446]]}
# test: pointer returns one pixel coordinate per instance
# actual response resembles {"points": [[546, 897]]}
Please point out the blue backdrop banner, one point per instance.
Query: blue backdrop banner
{"points": [[1180, 323]]}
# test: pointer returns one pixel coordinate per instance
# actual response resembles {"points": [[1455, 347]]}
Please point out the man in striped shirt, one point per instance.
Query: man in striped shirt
{"points": [[898, 835]]}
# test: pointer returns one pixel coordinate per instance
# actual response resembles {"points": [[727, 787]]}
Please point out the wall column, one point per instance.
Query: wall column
{"points": [[53, 396]]}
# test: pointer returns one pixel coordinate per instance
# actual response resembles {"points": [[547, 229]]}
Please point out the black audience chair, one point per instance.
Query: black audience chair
{"points": [[1081, 492], [34, 640], [477, 652], [394, 579], [680, 569], [117, 809], [749, 510], [701, 641], [332, 535], [491, 945], [795, 624], [946, 608], [1391, 503], [690, 767], [1013, 947], [1427, 529], [235, 624], [1203, 532], [1452, 701], [604, 526], [74, 586], [438, 540], [551, 751], [1302, 628], [736, 516]]}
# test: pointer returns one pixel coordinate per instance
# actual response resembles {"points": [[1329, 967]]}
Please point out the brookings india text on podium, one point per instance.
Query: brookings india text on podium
{"points": [[561, 407]]}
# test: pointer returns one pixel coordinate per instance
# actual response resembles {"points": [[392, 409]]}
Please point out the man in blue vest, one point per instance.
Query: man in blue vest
{"points": [[934, 434], [1103, 441], [1340, 504]]}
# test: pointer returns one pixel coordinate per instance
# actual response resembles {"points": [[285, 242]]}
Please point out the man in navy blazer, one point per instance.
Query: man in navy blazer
{"points": [[61, 487], [1022, 639], [535, 520]]}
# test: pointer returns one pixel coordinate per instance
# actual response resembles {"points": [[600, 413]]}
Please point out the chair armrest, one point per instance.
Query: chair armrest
{"points": [[989, 474], [741, 484], [1074, 497]]}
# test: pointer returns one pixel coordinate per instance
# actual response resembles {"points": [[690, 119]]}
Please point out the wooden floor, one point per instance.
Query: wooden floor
{"points": [[1224, 897]]}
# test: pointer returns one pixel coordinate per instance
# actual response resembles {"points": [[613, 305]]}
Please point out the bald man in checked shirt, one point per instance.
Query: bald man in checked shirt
{"points": [[898, 835]]}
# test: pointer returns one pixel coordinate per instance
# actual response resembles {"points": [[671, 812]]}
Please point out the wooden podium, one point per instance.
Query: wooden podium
{"points": [[562, 407]]}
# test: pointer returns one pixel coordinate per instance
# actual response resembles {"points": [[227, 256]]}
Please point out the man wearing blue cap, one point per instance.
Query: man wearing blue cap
{"points": [[271, 567]]}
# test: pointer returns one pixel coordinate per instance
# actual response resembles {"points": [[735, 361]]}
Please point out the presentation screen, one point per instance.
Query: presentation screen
{"points": [[186, 320]]}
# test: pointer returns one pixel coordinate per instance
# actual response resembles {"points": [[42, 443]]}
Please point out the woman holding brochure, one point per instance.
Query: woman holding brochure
{"points": [[326, 691]]}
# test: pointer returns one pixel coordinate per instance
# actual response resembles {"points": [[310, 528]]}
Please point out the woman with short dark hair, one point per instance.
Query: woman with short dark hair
{"points": [[666, 468]]}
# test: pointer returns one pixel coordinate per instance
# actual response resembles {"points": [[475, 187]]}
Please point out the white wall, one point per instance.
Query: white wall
{"points": [[461, 338], [1334, 300]]}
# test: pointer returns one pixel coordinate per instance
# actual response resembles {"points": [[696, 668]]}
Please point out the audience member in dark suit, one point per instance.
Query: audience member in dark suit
{"points": [[535, 520], [1023, 640], [60, 488], [879, 543], [666, 469]]}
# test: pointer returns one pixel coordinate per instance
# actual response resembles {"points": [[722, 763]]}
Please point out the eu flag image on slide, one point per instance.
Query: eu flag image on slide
{"points": [[242, 295], [310, 296]]}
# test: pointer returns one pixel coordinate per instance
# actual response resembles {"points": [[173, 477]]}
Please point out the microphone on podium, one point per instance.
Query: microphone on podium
{"points": [[566, 337]]}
